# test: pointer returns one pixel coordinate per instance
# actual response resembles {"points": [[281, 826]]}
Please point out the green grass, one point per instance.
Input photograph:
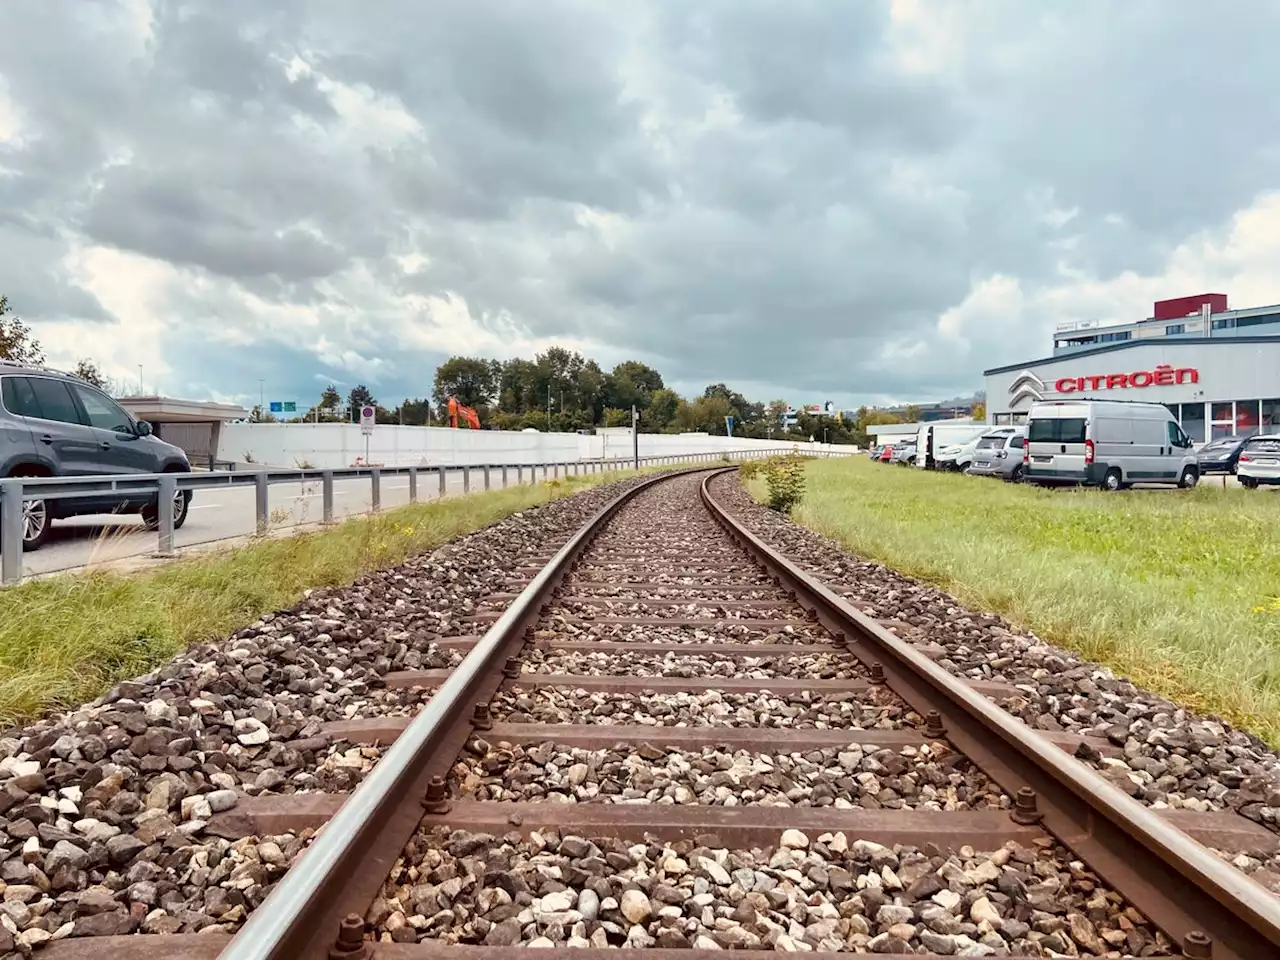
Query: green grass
{"points": [[1180, 591], [67, 639]]}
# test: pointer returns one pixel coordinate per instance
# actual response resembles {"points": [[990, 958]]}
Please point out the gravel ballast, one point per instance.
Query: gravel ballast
{"points": [[928, 777], [103, 809], [876, 707], [824, 892], [825, 666]]}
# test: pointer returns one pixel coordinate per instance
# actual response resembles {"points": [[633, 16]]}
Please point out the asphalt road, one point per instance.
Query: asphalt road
{"points": [[217, 514]]}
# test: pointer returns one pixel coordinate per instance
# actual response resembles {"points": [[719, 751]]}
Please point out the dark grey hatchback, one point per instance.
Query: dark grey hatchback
{"points": [[54, 424]]}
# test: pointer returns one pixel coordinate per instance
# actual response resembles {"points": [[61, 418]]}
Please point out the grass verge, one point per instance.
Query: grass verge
{"points": [[1178, 590], [66, 639]]}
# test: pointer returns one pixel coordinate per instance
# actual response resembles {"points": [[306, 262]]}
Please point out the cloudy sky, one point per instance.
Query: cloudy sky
{"points": [[855, 200]]}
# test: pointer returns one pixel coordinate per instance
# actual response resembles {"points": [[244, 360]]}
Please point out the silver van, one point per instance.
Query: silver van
{"points": [[1108, 443]]}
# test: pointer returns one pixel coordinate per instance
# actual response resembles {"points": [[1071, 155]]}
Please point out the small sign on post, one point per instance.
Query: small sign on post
{"points": [[366, 427]]}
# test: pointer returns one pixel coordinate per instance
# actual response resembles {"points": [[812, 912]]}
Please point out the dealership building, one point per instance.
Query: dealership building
{"points": [[1217, 369]]}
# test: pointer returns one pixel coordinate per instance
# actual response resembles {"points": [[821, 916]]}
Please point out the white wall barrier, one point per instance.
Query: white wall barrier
{"points": [[334, 445]]}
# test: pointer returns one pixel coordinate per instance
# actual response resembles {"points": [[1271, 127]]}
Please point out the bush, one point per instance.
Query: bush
{"points": [[750, 468], [784, 477]]}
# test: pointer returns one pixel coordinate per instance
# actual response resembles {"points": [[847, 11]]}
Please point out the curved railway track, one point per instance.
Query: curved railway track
{"points": [[670, 736]]}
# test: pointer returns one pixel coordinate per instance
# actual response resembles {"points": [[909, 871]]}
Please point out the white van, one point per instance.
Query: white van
{"points": [[932, 437], [1107, 443]]}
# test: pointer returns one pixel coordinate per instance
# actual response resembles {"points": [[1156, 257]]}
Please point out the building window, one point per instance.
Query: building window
{"points": [[1114, 337], [1246, 416], [1192, 420], [1223, 412], [1173, 329], [1226, 323], [1257, 321]]}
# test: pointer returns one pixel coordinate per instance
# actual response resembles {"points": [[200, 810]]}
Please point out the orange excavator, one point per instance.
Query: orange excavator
{"points": [[456, 408]]}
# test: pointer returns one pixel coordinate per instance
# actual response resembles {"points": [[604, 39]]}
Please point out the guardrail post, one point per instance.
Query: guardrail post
{"points": [[486, 476], [261, 503], [440, 472], [466, 479], [326, 496], [164, 512], [11, 531], [504, 476], [375, 489], [413, 484]]}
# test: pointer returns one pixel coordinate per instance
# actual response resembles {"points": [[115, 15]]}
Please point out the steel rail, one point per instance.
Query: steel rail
{"points": [[1212, 910], [342, 870]]}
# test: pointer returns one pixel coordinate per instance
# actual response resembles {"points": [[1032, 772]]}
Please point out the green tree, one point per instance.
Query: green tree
{"points": [[613, 417], [16, 342], [357, 398], [330, 401], [257, 416], [912, 413], [631, 383], [88, 371], [417, 413], [979, 412], [661, 412], [473, 380], [518, 387]]}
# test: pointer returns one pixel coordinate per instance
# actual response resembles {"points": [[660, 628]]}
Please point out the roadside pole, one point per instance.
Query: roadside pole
{"points": [[635, 436]]}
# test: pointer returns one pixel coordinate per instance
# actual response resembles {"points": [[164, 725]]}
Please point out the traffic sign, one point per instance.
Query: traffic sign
{"points": [[283, 406], [366, 420]]}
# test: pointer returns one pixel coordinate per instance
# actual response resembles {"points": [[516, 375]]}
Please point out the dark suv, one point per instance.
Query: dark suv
{"points": [[56, 425]]}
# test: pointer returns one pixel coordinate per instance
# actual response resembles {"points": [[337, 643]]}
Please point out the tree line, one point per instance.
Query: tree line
{"points": [[562, 391]]}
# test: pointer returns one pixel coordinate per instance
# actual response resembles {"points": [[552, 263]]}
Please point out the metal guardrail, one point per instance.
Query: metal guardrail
{"points": [[165, 487]]}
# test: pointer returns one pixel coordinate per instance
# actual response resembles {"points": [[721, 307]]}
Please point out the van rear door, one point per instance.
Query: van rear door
{"points": [[1056, 443]]}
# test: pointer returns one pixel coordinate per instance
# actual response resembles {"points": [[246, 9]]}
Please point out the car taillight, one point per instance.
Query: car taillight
{"points": [[1245, 458], [1088, 451], [1026, 453]]}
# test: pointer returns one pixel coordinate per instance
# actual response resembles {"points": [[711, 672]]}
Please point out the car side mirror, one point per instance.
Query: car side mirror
{"points": [[143, 428]]}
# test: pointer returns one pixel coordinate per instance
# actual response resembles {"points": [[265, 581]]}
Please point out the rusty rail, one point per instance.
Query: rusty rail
{"points": [[1213, 910], [341, 871]]}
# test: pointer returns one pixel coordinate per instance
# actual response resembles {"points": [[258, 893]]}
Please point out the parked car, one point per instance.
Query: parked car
{"points": [[875, 451], [958, 456], [904, 453], [1259, 463], [1107, 443], [54, 424], [933, 438], [886, 453], [999, 455], [1220, 456]]}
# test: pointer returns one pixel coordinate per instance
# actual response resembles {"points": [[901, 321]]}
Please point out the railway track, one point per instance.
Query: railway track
{"points": [[670, 737]]}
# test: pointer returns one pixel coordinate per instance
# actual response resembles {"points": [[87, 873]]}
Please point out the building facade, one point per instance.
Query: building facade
{"points": [[1218, 380]]}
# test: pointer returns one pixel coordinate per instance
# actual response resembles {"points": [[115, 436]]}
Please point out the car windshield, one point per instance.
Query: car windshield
{"points": [[1056, 431]]}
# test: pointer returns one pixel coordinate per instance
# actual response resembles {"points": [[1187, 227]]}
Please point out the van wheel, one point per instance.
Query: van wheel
{"points": [[1016, 476], [1249, 483], [1111, 482], [1190, 477]]}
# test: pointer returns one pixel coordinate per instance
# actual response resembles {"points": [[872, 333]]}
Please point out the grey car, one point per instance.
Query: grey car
{"points": [[53, 424], [999, 455]]}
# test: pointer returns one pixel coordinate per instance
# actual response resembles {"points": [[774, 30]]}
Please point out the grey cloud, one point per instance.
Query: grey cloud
{"points": [[781, 199]]}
